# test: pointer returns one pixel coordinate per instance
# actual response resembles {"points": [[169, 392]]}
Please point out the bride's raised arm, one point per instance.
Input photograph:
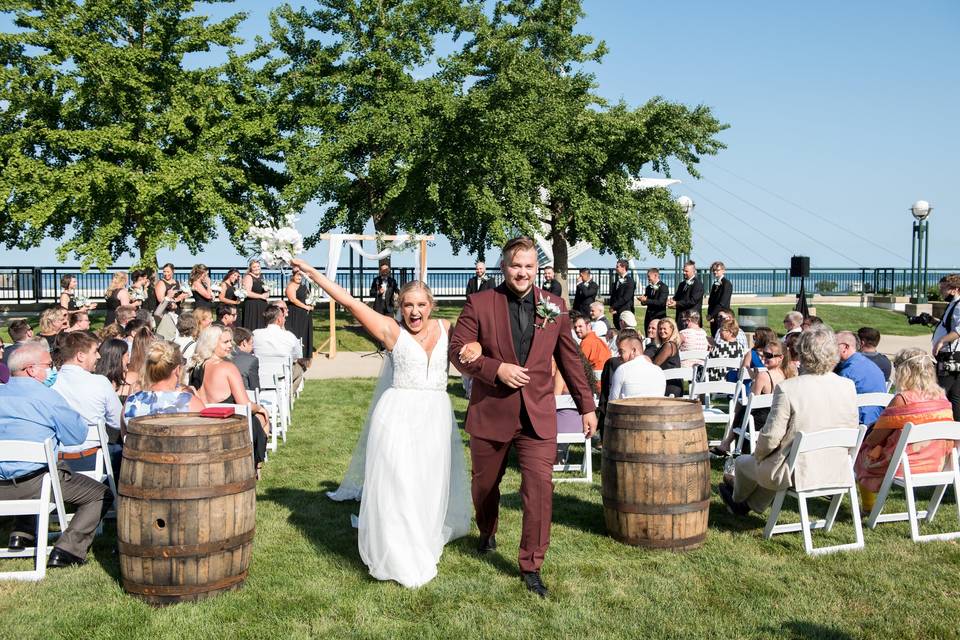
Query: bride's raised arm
{"points": [[381, 327]]}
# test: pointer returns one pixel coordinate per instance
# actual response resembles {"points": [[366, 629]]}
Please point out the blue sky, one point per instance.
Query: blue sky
{"points": [[841, 115]]}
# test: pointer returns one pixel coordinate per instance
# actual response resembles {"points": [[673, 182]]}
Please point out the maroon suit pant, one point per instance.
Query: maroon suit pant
{"points": [[536, 457]]}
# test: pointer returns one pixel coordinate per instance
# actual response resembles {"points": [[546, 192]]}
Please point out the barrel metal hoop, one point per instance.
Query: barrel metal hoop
{"points": [[184, 550], [661, 544], [655, 509], [219, 428], [202, 457], [181, 589], [656, 458], [186, 493], [658, 426]]}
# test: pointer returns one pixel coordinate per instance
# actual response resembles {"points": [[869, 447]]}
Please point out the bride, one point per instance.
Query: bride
{"points": [[415, 494]]}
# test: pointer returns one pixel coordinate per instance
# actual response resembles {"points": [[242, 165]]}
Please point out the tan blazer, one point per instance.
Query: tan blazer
{"points": [[806, 404]]}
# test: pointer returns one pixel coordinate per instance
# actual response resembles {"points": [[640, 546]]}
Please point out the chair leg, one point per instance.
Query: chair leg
{"points": [[911, 508], [588, 460], [43, 527], [855, 510], [832, 512], [805, 524], [935, 502], [774, 514]]}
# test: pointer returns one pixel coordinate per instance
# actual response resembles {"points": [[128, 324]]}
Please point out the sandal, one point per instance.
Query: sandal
{"points": [[718, 452]]}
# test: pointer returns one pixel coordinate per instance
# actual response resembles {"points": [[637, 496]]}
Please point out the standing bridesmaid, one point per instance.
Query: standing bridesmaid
{"points": [[300, 321], [256, 301]]}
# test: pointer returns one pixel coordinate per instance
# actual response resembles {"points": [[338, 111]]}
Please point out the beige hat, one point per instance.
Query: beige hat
{"points": [[627, 318]]}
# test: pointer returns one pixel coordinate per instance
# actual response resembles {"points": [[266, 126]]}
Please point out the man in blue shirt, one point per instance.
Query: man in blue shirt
{"points": [[866, 376], [31, 411]]}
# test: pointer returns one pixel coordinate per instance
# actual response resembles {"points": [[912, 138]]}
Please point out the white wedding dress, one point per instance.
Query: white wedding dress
{"points": [[415, 495]]}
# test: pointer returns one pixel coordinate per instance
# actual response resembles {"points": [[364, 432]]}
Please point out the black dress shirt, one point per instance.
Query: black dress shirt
{"points": [[522, 319]]}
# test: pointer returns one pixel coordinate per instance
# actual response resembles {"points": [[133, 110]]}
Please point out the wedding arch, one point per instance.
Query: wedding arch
{"points": [[398, 243]]}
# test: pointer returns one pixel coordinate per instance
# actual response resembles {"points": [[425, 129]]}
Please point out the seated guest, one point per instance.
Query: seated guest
{"points": [[147, 318], [20, 331], [32, 412], [162, 391], [776, 368], [609, 368], [793, 322], [217, 380], [692, 336], [188, 333], [4, 370], [598, 321], [595, 349], [140, 345], [726, 346], [753, 359], [204, 318], [790, 342], [52, 322], [79, 321], [112, 365], [273, 340], [869, 341], [866, 376], [247, 363], [637, 376], [811, 321], [226, 316], [89, 394], [919, 399], [650, 341], [667, 354], [725, 314], [817, 400]]}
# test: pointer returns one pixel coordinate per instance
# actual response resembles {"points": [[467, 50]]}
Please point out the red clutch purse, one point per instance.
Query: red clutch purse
{"points": [[217, 412]]}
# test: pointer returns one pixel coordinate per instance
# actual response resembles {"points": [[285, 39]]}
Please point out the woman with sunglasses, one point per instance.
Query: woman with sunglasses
{"points": [[778, 368]]}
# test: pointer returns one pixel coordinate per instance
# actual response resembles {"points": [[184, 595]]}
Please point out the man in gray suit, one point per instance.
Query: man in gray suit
{"points": [[815, 401], [243, 357]]}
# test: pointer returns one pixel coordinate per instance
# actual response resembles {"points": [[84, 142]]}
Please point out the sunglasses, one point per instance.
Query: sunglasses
{"points": [[769, 356]]}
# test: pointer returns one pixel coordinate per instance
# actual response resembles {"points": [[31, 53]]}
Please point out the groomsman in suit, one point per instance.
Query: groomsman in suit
{"points": [[654, 298], [479, 282], [382, 291], [585, 294], [550, 283], [689, 293], [720, 293], [622, 292]]}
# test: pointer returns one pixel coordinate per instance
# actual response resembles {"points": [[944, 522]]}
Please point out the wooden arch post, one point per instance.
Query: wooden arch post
{"points": [[331, 343]]}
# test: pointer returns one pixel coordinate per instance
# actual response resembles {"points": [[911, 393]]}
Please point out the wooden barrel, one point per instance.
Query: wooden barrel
{"points": [[187, 506], [656, 473]]}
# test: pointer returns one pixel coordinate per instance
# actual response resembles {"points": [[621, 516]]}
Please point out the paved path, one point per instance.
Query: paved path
{"points": [[350, 364]]}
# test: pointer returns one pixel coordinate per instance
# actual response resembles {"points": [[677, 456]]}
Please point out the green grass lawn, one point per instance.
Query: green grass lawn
{"points": [[307, 580], [849, 319]]}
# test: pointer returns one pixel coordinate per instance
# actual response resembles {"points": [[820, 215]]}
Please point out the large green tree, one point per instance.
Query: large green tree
{"points": [[357, 90], [530, 147], [112, 141]]}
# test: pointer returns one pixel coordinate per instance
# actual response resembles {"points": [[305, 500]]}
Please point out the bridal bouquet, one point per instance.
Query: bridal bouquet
{"points": [[138, 293], [277, 245], [314, 296], [81, 300]]}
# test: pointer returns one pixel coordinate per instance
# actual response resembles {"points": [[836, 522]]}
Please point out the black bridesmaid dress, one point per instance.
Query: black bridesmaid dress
{"points": [[112, 303], [300, 322], [253, 308]]}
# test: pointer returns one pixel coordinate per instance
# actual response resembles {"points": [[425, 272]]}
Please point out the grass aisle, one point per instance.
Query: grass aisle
{"points": [[307, 580]]}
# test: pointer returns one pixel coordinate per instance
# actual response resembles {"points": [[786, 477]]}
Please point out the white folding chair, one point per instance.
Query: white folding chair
{"points": [[275, 388], [40, 453], [682, 374], [102, 467], [878, 399], [747, 431], [848, 439], [566, 402], [694, 355], [719, 363], [950, 475], [715, 415], [254, 395]]}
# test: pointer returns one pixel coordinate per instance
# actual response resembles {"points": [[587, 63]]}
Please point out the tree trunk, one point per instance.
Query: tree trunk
{"points": [[560, 260], [143, 248]]}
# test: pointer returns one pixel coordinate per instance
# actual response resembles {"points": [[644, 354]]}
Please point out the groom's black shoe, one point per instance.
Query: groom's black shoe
{"points": [[487, 544], [534, 583]]}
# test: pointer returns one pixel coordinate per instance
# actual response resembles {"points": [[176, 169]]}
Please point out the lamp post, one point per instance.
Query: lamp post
{"points": [[686, 204], [920, 250]]}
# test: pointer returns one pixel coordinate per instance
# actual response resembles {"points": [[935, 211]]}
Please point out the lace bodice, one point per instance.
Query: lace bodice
{"points": [[411, 368]]}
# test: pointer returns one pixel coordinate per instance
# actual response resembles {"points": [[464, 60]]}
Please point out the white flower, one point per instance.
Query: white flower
{"points": [[240, 292], [277, 246]]}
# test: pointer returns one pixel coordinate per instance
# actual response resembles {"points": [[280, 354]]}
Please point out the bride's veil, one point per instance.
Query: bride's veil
{"points": [[352, 484]]}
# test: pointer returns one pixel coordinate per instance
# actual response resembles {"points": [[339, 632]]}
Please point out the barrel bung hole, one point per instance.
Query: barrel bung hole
{"points": [[161, 523]]}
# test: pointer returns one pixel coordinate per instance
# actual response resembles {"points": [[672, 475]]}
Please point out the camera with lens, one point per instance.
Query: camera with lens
{"points": [[948, 362], [925, 319]]}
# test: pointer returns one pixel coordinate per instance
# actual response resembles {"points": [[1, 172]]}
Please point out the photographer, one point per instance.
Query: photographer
{"points": [[946, 341]]}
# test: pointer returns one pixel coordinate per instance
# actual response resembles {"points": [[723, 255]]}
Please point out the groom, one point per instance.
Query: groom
{"points": [[512, 401]]}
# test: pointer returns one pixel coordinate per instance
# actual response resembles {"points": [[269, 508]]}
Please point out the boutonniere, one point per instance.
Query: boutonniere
{"points": [[656, 286], [548, 311]]}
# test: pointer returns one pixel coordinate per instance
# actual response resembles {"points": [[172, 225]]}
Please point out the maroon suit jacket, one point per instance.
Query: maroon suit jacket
{"points": [[495, 407]]}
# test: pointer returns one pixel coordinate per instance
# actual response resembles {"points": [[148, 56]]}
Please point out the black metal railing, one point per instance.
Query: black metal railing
{"points": [[23, 285]]}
